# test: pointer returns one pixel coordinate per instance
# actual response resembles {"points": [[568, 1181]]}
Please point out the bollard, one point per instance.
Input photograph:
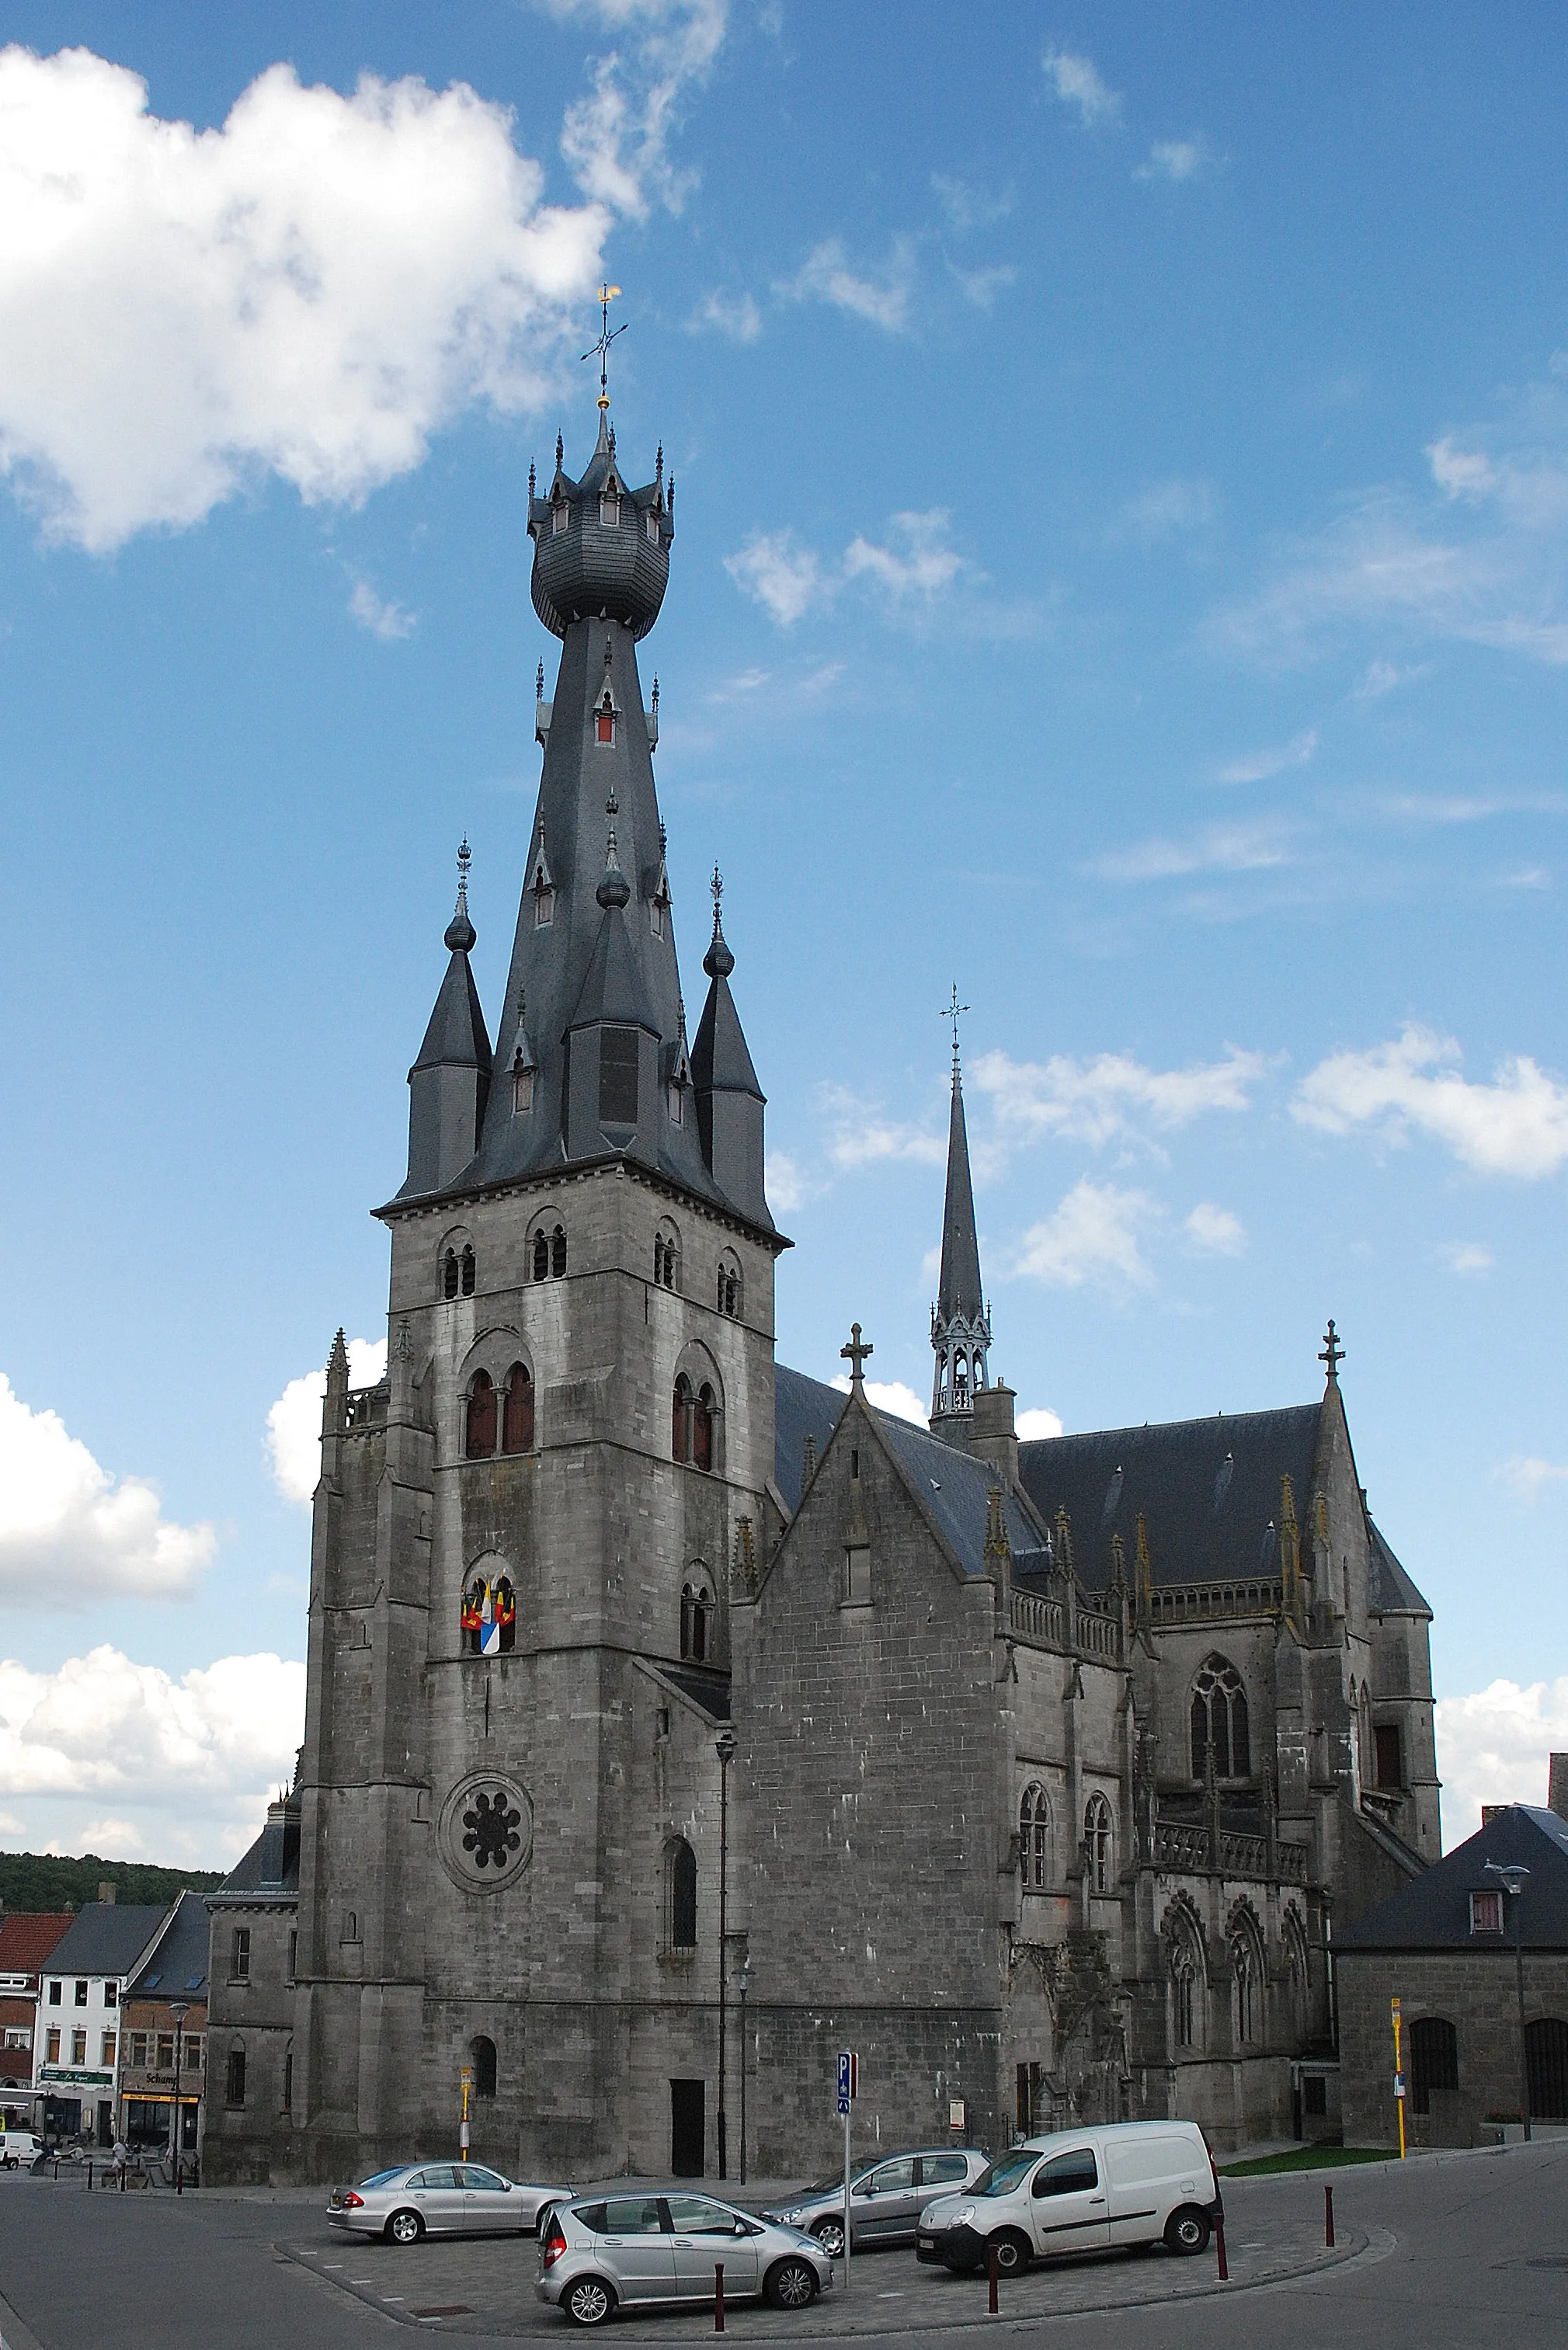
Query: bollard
{"points": [[1220, 2248], [1327, 2212], [990, 2278], [89, 2178], [718, 2296]]}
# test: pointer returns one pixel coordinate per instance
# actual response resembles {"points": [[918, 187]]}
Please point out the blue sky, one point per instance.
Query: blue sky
{"points": [[1123, 504]]}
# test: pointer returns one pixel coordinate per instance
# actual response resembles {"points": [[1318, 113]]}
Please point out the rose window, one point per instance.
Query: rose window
{"points": [[492, 1827]]}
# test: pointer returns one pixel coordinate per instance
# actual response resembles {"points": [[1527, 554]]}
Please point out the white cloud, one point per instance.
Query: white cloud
{"points": [[1262, 765], [311, 291], [1465, 1257], [1458, 473], [1162, 510], [70, 1534], [1093, 1237], [1173, 159], [1109, 1099], [1524, 1477], [981, 287], [784, 579], [616, 138], [1516, 1125], [968, 208], [187, 1766], [1077, 83], [386, 621], [1492, 1748], [114, 1839], [890, 1396], [924, 567], [1255, 848], [882, 300], [1383, 677], [294, 1421], [862, 1136], [786, 1185], [1037, 1422], [734, 314], [1215, 1231]]}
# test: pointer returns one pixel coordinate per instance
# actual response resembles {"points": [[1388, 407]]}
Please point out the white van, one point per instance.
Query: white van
{"points": [[19, 2145], [1082, 2190]]}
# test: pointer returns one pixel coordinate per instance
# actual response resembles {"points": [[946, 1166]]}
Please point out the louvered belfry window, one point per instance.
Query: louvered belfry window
{"points": [[618, 1077]]}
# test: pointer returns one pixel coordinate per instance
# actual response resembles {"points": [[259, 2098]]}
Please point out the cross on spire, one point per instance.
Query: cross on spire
{"points": [[1333, 1353], [954, 1012], [601, 350], [855, 1355]]}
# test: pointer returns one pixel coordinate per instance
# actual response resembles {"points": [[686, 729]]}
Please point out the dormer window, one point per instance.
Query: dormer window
{"points": [[522, 1085], [558, 517], [656, 916], [609, 510], [1486, 1913], [677, 1105], [652, 526], [604, 719], [543, 904]]}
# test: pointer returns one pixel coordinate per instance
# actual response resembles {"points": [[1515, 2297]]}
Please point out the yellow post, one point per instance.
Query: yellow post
{"points": [[1398, 2075], [467, 2078]]}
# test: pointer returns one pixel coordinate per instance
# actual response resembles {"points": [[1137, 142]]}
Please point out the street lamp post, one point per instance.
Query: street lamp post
{"points": [[725, 1747], [746, 1986], [1511, 1877], [178, 2011]]}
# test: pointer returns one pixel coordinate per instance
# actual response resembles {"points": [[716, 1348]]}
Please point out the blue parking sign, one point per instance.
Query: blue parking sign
{"points": [[846, 2062]]}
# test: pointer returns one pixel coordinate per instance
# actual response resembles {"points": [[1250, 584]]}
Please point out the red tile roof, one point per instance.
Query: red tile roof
{"points": [[27, 1939]]}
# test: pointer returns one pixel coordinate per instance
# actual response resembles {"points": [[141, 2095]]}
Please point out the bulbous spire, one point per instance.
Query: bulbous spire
{"points": [[461, 933], [718, 962]]}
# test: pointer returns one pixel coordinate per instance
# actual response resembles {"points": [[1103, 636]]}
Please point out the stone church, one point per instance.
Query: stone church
{"points": [[675, 1719]]}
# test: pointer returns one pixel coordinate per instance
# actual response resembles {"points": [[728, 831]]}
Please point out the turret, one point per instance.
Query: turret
{"points": [[961, 1326], [449, 1085], [729, 1102]]}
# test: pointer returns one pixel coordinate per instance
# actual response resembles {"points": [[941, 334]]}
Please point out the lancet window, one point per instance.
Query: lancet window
{"points": [[693, 1411], [518, 1418], [1219, 1720], [680, 1894], [667, 1257], [728, 1299], [549, 1252], [1035, 1838], [1097, 1843], [696, 1620], [478, 1427]]}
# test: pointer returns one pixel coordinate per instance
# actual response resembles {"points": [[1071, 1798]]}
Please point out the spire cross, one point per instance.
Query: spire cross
{"points": [[716, 890], [954, 1012], [1333, 1354], [601, 350], [855, 1355], [464, 859]]}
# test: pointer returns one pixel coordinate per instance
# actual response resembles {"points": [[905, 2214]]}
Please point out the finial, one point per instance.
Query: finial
{"points": [[718, 962], [855, 1355], [460, 932], [658, 463], [601, 350], [560, 452], [954, 1012], [532, 483], [1333, 1353], [539, 684], [664, 843], [614, 888], [612, 439], [669, 501], [656, 714]]}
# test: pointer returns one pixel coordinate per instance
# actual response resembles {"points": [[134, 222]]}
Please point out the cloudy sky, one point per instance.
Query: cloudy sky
{"points": [[1123, 463]]}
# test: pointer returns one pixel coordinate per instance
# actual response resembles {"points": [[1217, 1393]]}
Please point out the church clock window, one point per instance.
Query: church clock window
{"points": [[680, 1894], [518, 1419], [479, 1432], [449, 1274], [1035, 1838], [468, 1269], [1097, 1843], [618, 1077], [696, 1621], [1220, 1719]]}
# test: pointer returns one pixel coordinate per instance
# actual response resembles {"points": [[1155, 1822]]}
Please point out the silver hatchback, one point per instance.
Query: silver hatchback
{"points": [[443, 2199], [887, 2197], [610, 2249]]}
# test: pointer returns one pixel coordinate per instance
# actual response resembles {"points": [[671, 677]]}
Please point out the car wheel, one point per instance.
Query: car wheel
{"points": [[829, 2234], [790, 2284], [1187, 2230], [404, 2228], [1014, 2252], [590, 2301]]}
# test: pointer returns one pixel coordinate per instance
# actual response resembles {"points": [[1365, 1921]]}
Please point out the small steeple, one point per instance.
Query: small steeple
{"points": [[449, 1085], [729, 1102], [961, 1326]]}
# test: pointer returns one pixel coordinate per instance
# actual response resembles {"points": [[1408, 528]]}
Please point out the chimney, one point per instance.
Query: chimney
{"points": [[992, 1436], [1557, 1786], [1490, 1812], [106, 1892]]}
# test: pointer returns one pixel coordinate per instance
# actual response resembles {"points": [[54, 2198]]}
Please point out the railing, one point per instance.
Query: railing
{"points": [[1184, 1603], [367, 1406], [1100, 1634], [1037, 1619], [1183, 1845]]}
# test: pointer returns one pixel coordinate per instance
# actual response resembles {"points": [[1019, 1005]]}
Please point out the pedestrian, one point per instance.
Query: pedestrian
{"points": [[118, 2160]]}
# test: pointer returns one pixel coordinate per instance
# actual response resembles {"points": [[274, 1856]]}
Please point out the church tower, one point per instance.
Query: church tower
{"points": [[961, 1326], [519, 1635]]}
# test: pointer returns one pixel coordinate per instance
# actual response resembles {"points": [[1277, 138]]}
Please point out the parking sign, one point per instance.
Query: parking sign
{"points": [[848, 2078]]}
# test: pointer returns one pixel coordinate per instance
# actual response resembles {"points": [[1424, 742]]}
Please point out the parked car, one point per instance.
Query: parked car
{"points": [[887, 2196], [599, 2254], [443, 2199], [19, 2145], [1080, 2190]]}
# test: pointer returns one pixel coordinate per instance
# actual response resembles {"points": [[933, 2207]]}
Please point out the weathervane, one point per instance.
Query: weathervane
{"points": [[601, 350], [954, 1012]]}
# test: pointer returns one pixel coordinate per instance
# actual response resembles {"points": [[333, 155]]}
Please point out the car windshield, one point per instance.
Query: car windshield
{"points": [[384, 2178], [835, 2178], [1003, 2176]]}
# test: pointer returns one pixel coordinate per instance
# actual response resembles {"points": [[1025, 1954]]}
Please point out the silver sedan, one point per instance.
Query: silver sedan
{"points": [[443, 2199], [608, 2250]]}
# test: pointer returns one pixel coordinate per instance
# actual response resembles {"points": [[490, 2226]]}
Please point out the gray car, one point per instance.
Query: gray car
{"points": [[443, 2199], [887, 2196], [610, 2249]]}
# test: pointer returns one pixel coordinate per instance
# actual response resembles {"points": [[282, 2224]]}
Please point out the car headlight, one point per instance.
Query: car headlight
{"points": [[959, 2219], [792, 2219]]}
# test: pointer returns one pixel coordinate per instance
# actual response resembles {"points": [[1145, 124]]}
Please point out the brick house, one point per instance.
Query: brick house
{"points": [[149, 2079], [26, 1939]]}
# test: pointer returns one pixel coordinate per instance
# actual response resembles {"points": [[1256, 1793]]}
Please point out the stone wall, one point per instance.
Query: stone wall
{"points": [[1476, 1991]]}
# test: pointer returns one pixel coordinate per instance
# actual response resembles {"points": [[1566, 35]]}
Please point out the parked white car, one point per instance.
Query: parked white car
{"points": [[1082, 2191], [443, 2199]]}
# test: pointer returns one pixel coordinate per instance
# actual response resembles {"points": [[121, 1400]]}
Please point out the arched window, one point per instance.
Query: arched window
{"points": [[469, 1269], [1546, 2062], [667, 1257], [557, 1253], [549, 1252], [1220, 1719], [481, 2056], [503, 1614], [449, 1274], [681, 1419], [702, 1416], [475, 1612], [517, 1421], [696, 1620], [1097, 1843], [680, 1888], [1035, 1838], [1185, 1986], [540, 1255], [1246, 1980], [479, 1440], [1296, 1977], [729, 1291], [960, 1381], [1434, 2059]]}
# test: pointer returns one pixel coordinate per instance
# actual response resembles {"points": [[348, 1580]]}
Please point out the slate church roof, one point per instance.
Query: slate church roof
{"points": [[108, 1937], [178, 1966], [1433, 1912]]}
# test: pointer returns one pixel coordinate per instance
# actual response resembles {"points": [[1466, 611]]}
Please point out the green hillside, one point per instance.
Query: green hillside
{"points": [[41, 1880]]}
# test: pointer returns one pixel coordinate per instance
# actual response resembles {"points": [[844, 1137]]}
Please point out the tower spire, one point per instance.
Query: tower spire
{"points": [[961, 1326]]}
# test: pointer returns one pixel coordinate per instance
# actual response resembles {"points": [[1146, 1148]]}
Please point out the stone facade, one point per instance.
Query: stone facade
{"points": [[1477, 1994]]}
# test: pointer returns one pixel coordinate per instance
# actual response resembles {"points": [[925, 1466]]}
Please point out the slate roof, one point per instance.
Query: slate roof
{"points": [[271, 1866], [107, 1938], [1433, 1912], [958, 1289], [1209, 1490], [29, 1936], [800, 1404], [178, 1966], [1392, 1592]]}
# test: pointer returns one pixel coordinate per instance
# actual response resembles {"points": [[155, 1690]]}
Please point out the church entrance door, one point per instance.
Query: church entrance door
{"points": [[688, 2127]]}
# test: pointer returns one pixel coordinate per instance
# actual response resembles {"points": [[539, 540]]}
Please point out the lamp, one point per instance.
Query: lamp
{"points": [[1510, 1875], [725, 1747]]}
